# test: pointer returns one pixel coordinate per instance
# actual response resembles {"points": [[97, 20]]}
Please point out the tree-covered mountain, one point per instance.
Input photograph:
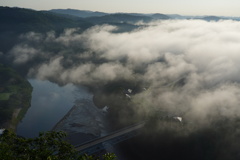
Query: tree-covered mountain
{"points": [[20, 20], [160, 16], [15, 21], [78, 13], [15, 97], [212, 18], [118, 18], [87, 14]]}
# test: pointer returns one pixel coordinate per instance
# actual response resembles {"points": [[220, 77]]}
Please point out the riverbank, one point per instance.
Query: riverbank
{"points": [[83, 122], [15, 97]]}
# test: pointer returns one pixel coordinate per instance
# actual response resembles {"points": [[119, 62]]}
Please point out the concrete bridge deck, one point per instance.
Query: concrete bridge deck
{"points": [[112, 138]]}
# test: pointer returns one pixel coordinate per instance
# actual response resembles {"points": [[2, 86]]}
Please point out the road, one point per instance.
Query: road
{"points": [[110, 136]]}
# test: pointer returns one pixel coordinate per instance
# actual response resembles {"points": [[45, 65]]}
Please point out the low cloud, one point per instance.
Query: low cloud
{"points": [[23, 53], [191, 66]]}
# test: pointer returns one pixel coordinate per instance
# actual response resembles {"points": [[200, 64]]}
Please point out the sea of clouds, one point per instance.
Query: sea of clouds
{"points": [[205, 56]]}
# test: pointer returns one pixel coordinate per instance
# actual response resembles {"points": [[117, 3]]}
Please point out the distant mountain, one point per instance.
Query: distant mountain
{"points": [[212, 18], [176, 16], [160, 16], [206, 18], [20, 20], [87, 14], [15, 21], [118, 18], [124, 27], [137, 14], [78, 13]]}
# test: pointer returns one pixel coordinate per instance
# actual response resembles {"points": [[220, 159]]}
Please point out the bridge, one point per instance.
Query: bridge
{"points": [[99, 144]]}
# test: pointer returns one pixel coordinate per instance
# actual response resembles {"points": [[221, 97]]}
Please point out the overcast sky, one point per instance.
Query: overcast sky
{"points": [[184, 7]]}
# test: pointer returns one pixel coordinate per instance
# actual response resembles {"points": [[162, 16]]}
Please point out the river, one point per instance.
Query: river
{"points": [[49, 104], [68, 108]]}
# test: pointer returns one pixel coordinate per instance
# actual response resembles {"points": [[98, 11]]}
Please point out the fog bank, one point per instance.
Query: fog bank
{"points": [[190, 67]]}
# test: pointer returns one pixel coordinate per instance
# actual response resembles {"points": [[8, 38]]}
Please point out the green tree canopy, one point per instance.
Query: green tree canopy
{"points": [[47, 146]]}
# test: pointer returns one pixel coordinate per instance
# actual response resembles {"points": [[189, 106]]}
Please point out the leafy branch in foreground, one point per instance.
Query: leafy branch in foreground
{"points": [[47, 146]]}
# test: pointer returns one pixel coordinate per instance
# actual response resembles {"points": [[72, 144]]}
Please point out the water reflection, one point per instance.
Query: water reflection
{"points": [[49, 104]]}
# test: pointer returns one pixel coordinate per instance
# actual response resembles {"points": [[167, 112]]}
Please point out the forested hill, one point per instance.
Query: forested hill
{"points": [[78, 13], [21, 20], [113, 18], [15, 97], [15, 21]]}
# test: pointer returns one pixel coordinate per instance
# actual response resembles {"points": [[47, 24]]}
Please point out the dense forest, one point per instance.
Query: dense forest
{"points": [[15, 97]]}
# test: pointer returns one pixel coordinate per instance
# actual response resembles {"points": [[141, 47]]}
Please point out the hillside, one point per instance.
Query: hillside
{"points": [[160, 16], [15, 21], [118, 18], [15, 97], [212, 18], [78, 13], [22, 20]]}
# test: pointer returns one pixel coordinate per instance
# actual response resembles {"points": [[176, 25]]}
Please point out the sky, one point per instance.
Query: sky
{"points": [[183, 7]]}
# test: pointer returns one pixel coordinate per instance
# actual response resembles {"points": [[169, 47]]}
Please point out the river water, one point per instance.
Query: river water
{"points": [[49, 104], [68, 108]]}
